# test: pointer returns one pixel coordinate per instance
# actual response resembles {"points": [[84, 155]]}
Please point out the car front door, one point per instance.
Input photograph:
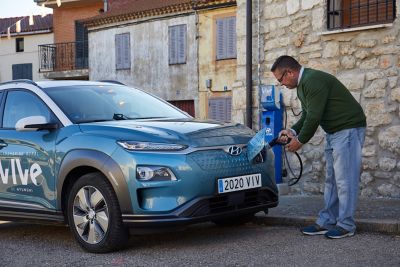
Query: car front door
{"points": [[27, 180]]}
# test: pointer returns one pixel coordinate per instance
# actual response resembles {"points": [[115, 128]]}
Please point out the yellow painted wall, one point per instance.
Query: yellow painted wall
{"points": [[221, 72]]}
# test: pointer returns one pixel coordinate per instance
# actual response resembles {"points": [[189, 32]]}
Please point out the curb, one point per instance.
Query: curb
{"points": [[384, 226]]}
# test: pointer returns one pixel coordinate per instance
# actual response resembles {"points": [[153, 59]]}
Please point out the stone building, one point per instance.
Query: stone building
{"points": [[358, 42]]}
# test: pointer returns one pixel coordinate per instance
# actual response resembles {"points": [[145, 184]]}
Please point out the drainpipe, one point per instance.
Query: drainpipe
{"points": [[105, 6], [249, 96]]}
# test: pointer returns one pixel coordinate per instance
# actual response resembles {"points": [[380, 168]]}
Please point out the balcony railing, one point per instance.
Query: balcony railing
{"points": [[63, 56]]}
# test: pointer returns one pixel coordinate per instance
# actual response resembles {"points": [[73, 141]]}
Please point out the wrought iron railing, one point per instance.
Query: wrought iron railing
{"points": [[63, 56], [355, 13]]}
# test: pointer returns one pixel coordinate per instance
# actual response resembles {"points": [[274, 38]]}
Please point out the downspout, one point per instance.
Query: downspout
{"points": [[249, 97], [197, 103], [105, 5]]}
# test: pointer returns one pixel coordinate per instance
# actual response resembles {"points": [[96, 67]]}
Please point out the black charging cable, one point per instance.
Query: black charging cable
{"points": [[296, 179]]}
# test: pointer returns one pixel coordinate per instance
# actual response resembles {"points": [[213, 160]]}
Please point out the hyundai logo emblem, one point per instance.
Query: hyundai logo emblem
{"points": [[234, 150]]}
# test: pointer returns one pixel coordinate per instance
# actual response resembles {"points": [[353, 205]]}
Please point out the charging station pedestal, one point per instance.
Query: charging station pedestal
{"points": [[271, 118]]}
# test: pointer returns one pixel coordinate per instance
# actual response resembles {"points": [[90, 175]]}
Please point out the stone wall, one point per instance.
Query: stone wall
{"points": [[366, 60]]}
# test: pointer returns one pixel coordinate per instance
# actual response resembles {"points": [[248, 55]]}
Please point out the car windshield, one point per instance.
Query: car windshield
{"points": [[92, 103]]}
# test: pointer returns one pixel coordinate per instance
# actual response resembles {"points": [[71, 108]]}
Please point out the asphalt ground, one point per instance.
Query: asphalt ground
{"points": [[199, 245]]}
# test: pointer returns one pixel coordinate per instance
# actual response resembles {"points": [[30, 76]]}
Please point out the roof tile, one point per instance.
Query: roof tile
{"points": [[40, 24]]}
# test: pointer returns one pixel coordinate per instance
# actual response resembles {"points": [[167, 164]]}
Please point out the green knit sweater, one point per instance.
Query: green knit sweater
{"points": [[325, 101]]}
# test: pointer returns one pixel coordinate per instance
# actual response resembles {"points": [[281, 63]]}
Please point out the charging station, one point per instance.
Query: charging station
{"points": [[271, 118]]}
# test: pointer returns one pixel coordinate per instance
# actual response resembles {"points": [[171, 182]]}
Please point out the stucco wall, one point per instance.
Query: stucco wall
{"points": [[222, 73], [365, 60], [9, 56], [149, 58]]}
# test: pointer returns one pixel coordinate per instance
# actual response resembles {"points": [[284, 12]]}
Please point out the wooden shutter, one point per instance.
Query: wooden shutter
{"points": [[228, 109], [127, 51], [122, 51], [231, 37], [22, 71], [177, 44], [226, 38], [185, 105], [172, 45], [220, 109], [221, 44], [182, 44], [118, 54], [362, 12]]}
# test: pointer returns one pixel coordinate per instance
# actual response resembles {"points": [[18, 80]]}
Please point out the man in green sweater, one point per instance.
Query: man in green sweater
{"points": [[325, 101]]}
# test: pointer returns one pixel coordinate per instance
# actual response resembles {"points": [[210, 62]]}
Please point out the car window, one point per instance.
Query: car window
{"points": [[103, 103], [21, 104]]}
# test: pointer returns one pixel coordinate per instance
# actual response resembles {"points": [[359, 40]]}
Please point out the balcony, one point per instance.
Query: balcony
{"points": [[64, 60]]}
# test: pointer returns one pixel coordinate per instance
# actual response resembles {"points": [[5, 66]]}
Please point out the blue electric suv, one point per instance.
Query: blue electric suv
{"points": [[105, 158]]}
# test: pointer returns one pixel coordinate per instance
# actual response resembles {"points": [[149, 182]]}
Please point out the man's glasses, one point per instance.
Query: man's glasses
{"points": [[283, 76]]}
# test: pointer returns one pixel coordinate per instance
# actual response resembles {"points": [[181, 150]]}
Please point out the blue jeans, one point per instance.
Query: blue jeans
{"points": [[343, 170]]}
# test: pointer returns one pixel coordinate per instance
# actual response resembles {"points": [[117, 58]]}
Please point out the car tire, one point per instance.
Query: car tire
{"points": [[234, 220], [94, 215]]}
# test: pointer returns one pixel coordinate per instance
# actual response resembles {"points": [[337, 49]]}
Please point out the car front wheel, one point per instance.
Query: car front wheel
{"points": [[94, 215]]}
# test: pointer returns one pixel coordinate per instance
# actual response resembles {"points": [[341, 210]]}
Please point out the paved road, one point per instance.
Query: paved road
{"points": [[199, 245]]}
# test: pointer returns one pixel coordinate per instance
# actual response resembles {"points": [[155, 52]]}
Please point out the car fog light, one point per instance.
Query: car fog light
{"points": [[154, 173]]}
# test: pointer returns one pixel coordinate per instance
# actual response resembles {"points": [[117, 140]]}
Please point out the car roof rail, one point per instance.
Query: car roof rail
{"points": [[112, 81], [21, 81]]}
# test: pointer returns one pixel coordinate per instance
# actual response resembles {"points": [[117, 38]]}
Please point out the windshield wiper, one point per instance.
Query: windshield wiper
{"points": [[119, 117]]}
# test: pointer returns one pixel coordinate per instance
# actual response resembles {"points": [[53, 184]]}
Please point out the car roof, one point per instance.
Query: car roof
{"points": [[47, 84], [62, 83]]}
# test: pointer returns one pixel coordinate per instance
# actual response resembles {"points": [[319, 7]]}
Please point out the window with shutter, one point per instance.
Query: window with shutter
{"points": [[355, 13], [177, 44], [226, 38], [220, 109], [122, 51], [22, 71]]}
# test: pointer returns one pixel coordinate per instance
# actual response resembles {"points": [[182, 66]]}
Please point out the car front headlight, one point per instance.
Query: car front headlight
{"points": [[154, 173], [149, 146]]}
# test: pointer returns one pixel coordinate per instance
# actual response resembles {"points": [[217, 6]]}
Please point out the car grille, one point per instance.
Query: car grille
{"points": [[231, 202], [224, 131], [219, 159]]}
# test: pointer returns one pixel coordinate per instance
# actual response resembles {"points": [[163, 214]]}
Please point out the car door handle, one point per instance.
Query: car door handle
{"points": [[3, 145]]}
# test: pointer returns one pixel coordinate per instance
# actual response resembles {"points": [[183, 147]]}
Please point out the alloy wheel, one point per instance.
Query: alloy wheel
{"points": [[91, 217]]}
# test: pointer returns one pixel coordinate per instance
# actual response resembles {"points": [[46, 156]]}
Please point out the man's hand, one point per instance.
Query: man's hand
{"points": [[284, 136], [294, 145]]}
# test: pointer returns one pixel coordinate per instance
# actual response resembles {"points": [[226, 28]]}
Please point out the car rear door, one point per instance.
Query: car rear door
{"points": [[27, 180]]}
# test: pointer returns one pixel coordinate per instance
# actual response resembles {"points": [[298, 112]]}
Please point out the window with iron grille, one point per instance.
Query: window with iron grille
{"points": [[355, 13], [177, 44], [122, 51], [226, 38]]}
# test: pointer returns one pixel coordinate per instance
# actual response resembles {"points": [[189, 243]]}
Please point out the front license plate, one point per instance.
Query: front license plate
{"points": [[238, 183]]}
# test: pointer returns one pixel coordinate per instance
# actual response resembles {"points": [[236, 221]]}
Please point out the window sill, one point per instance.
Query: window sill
{"points": [[362, 28]]}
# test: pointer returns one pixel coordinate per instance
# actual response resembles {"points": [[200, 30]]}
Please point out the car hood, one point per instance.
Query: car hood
{"points": [[189, 132]]}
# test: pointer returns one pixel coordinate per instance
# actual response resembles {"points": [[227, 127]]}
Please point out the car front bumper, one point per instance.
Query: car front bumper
{"points": [[207, 208]]}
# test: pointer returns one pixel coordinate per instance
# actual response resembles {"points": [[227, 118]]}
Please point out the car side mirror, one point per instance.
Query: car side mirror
{"points": [[34, 123]]}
